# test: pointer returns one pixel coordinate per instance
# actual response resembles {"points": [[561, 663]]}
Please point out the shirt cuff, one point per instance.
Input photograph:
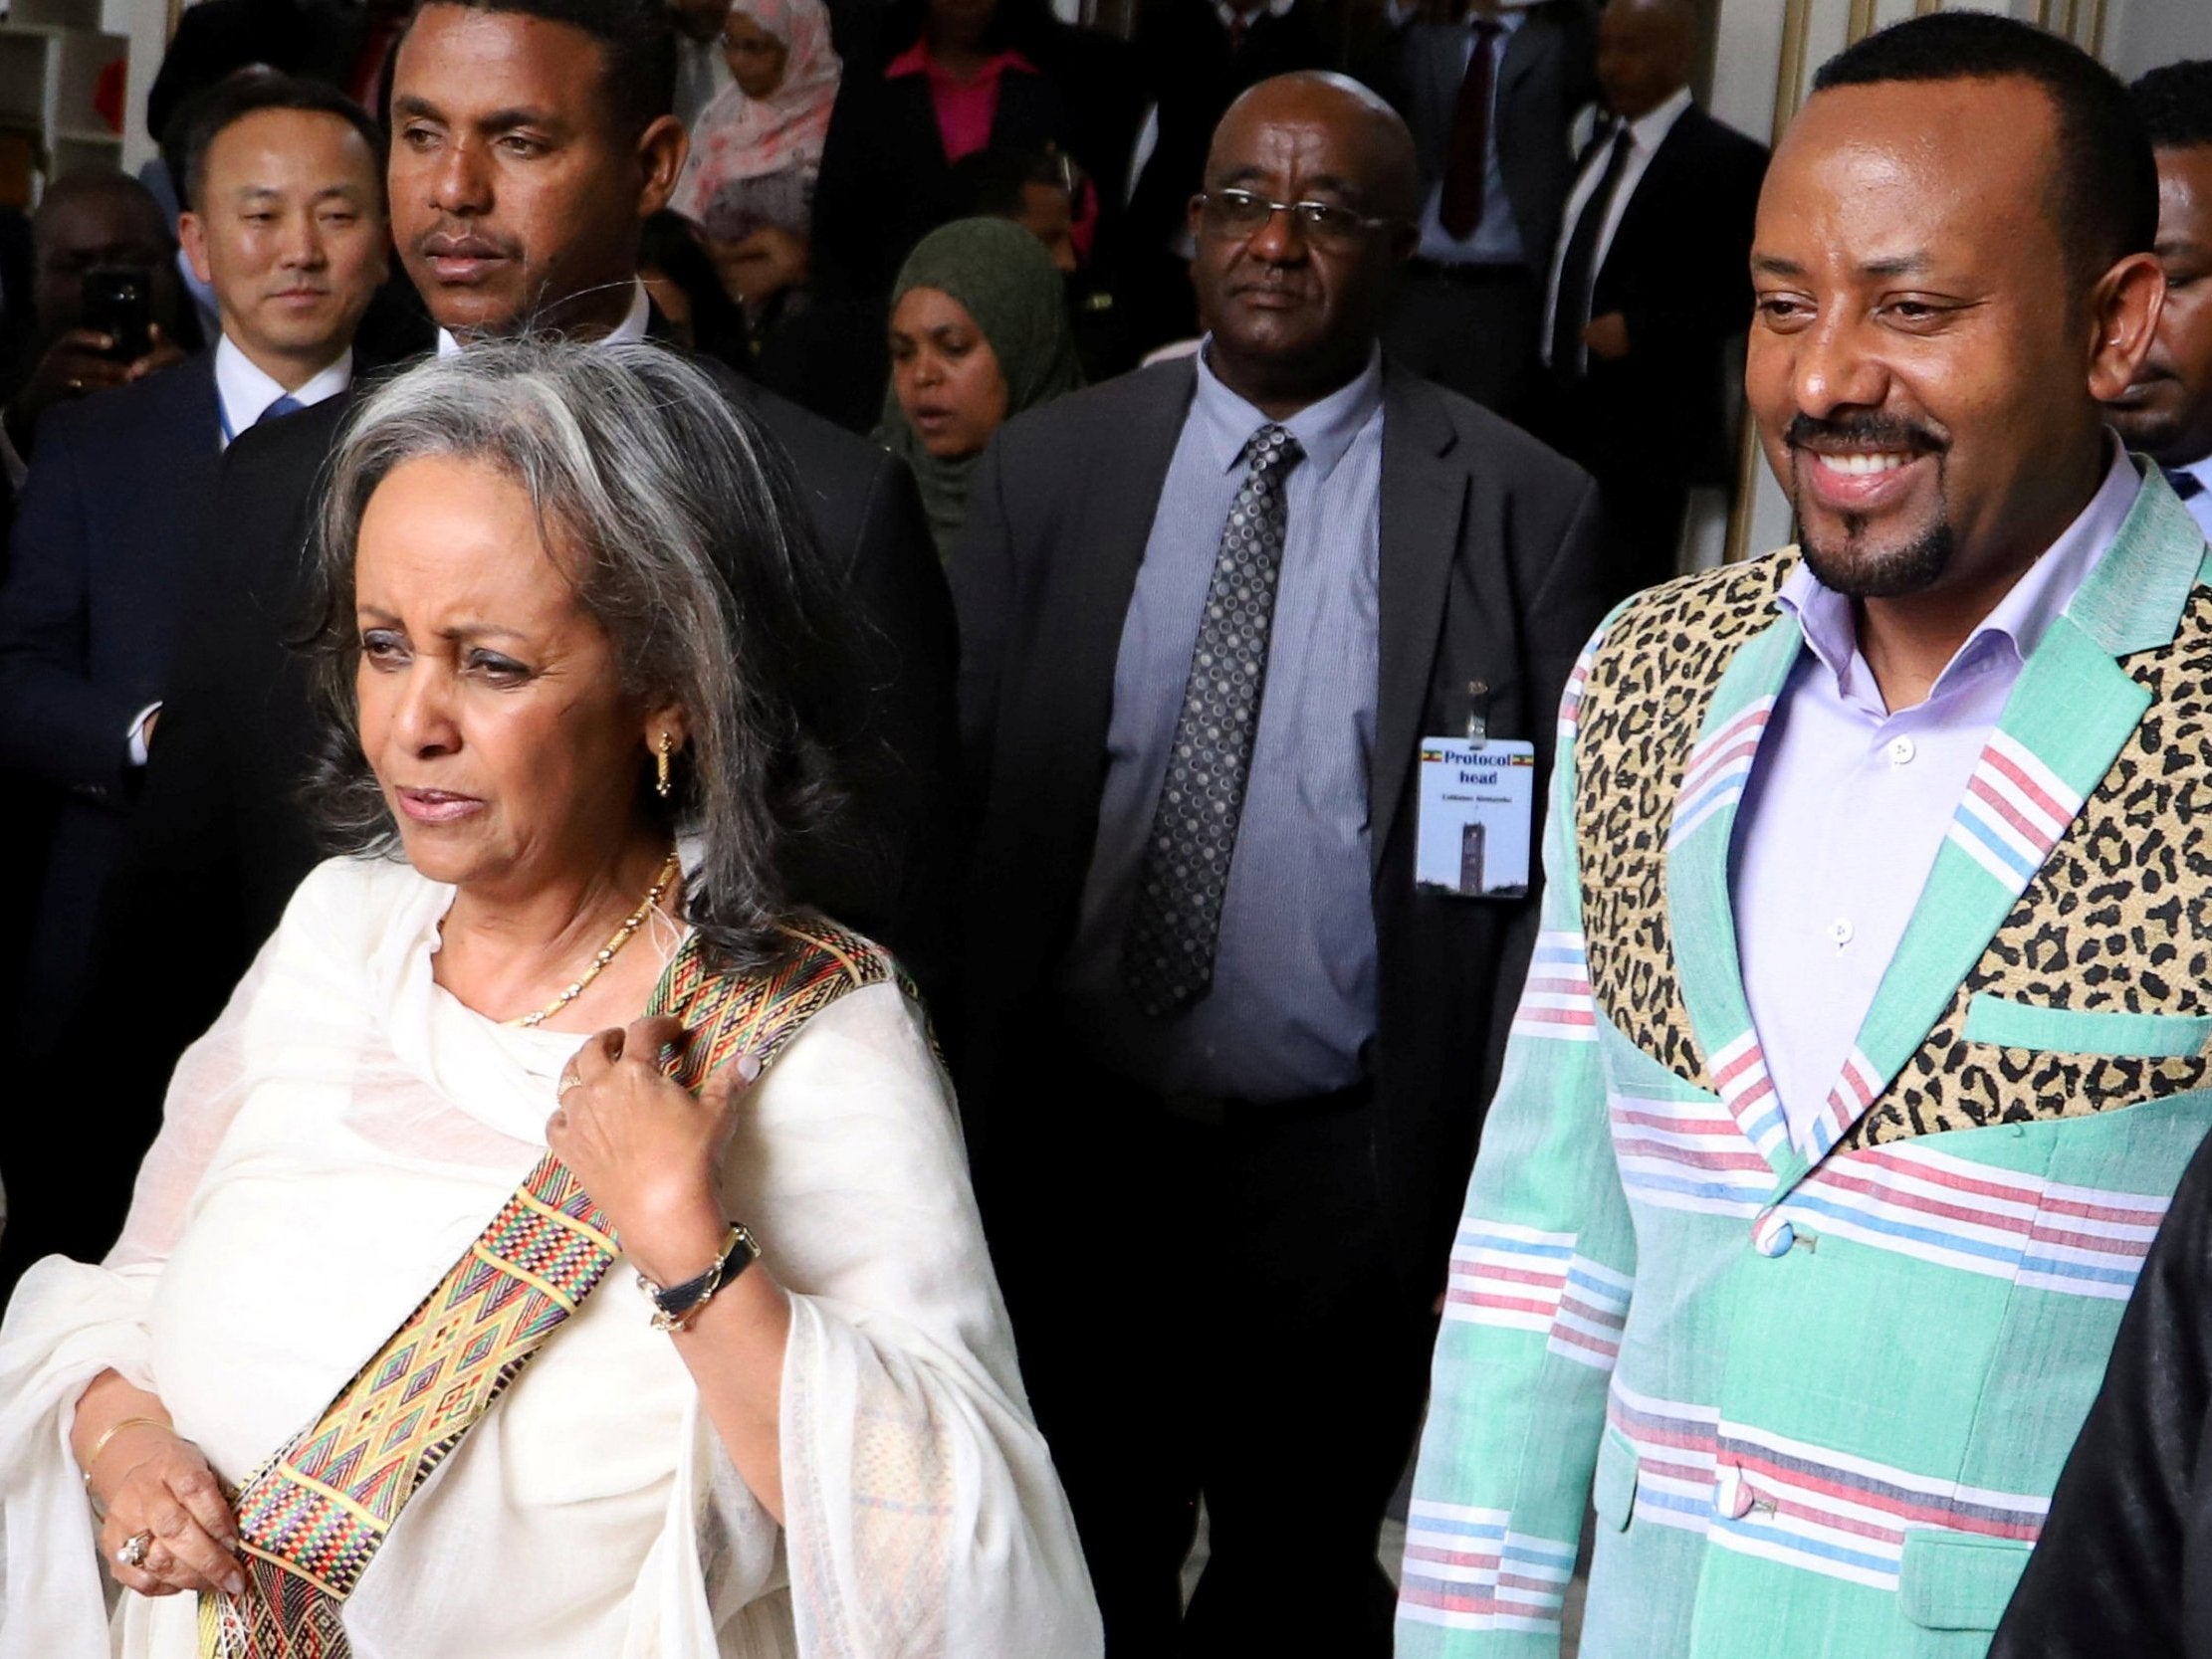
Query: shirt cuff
{"points": [[138, 741]]}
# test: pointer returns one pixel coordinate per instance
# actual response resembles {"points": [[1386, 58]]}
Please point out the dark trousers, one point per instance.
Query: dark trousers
{"points": [[1211, 1308], [1470, 328]]}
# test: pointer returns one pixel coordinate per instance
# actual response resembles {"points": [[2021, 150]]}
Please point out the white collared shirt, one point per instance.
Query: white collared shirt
{"points": [[243, 391], [1646, 133], [1230, 16], [626, 333]]}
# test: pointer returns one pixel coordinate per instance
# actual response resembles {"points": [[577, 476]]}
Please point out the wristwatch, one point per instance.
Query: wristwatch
{"points": [[675, 1307]]}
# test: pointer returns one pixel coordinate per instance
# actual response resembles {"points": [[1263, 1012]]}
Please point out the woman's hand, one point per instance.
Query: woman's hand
{"points": [[151, 1480], [647, 1148]]}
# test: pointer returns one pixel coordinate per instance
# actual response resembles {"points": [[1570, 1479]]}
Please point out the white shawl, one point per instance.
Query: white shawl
{"points": [[333, 1145]]}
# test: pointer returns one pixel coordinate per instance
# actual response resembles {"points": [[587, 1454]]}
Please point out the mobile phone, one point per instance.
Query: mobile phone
{"points": [[119, 303]]}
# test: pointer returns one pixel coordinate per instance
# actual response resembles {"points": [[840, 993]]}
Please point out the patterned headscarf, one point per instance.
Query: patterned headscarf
{"points": [[737, 136], [1009, 283]]}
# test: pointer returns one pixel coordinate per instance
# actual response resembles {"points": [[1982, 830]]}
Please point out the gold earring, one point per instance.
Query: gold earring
{"points": [[661, 786]]}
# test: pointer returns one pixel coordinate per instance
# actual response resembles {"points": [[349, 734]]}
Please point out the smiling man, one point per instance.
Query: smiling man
{"points": [[1268, 578], [1805, 1218]]}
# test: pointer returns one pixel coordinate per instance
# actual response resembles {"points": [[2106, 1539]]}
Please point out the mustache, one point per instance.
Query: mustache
{"points": [[1866, 432], [445, 242]]}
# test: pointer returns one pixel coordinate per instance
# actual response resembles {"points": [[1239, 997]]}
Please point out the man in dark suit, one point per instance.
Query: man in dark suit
{"points": [[1223, 1068], [531, 143], [285, 223], [1490, 88], [1196, 55], [1650, 281]]}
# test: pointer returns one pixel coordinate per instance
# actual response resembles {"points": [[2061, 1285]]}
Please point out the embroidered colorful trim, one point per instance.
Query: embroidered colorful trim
{"points": [[312, 1518]]}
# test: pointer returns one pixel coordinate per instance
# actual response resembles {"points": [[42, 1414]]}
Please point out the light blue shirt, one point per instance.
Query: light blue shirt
{"points": [[1496, 239], [1293, 998], [1848, 803], [2200, 503]]}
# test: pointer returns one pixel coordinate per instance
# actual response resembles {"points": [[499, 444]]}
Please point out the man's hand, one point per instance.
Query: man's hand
{"points": [[76, 365], [1607, 336]]}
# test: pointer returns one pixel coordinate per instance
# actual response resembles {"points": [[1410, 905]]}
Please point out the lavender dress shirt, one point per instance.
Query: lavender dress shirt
{"points": [[1847, 804]]}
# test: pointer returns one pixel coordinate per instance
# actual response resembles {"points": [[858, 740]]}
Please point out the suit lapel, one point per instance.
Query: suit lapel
{"points": [[1423, 507], [1091, 589], [2071, 712], [1701, 909]]}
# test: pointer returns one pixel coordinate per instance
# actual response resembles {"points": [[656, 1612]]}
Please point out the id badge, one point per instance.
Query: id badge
{"points": [[1477, 809]]}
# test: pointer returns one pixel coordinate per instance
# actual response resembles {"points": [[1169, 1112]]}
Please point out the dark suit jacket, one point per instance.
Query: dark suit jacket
{"points": [[1548, 73], [885, 182], [88, 621], [1678, 271], [2124, 1562], [1488, 570], [220, 840]]}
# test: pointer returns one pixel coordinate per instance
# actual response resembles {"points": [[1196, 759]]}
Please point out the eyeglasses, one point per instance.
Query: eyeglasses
{"points": [[1325, 224]]}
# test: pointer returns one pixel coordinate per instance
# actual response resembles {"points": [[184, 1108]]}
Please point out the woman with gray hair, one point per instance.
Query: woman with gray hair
{"points": [[366, 1372]]}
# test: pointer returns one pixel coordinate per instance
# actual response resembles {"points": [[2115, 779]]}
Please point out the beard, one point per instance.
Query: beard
{"points": [[1857, 571], [1849, 564]]}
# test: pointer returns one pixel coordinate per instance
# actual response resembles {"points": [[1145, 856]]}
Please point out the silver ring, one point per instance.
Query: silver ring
{"points": [[132, 1551], [568, 1081]]}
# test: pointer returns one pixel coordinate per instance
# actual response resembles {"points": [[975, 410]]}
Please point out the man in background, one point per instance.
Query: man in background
{"points": [[85, 222], [1267, 578], [1490, 88], [2167, 412], [286, 222], [1649, 284], [702, 68]]}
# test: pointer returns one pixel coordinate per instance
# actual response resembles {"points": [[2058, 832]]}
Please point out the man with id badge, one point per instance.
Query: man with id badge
{"points": [[1224, 1050]]}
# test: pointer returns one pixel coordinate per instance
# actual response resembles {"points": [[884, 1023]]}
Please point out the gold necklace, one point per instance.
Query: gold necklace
{"points": [[630, 924]]}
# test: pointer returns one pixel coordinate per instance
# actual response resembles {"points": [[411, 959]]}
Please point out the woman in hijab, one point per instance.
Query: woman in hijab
{"points": [[756, 149], [978, 333]]}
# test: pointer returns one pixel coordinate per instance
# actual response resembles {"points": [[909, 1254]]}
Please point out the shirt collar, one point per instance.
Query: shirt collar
{"points": [[2199, 469], [1650, 128], [246, 390], [2018, 621], [916, 60], [628, 332], [1324, 429]]}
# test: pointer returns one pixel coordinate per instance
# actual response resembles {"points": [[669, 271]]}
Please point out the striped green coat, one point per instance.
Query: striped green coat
{"points": [[1819, 1396]]}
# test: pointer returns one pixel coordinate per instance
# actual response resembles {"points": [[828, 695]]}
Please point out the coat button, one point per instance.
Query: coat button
{"points": [[1771, 1235], [1732, 1492]]}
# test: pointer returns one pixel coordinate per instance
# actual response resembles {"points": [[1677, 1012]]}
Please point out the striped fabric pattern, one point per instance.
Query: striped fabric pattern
{"points": [[1847, 1103], [1717, 769], [1593, 1309], [2013, 812], [1739, 1072], [1507, 1275], [1466, 1570], [1555, 1001], [1808, 1507], [1686, 1155]]}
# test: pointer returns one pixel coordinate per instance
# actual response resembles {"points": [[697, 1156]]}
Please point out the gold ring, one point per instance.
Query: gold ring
{"points": [[568, 1081], [132, 1551]]}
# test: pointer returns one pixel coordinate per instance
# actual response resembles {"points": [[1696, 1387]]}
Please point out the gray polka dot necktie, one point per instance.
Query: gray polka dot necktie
{"points": [[1167, 953]]}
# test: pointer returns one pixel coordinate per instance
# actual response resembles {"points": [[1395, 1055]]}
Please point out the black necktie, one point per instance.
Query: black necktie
{"points": [[1468, 160], [1578, 270], [1175, 921], [2186, 485]]}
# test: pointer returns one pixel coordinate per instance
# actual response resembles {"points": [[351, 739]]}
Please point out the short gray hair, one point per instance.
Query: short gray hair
{"points": [[698, 563]]}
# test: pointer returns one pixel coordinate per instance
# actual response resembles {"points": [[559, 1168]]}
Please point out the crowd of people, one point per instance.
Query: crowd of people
{"points": [[1009, 715]]}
